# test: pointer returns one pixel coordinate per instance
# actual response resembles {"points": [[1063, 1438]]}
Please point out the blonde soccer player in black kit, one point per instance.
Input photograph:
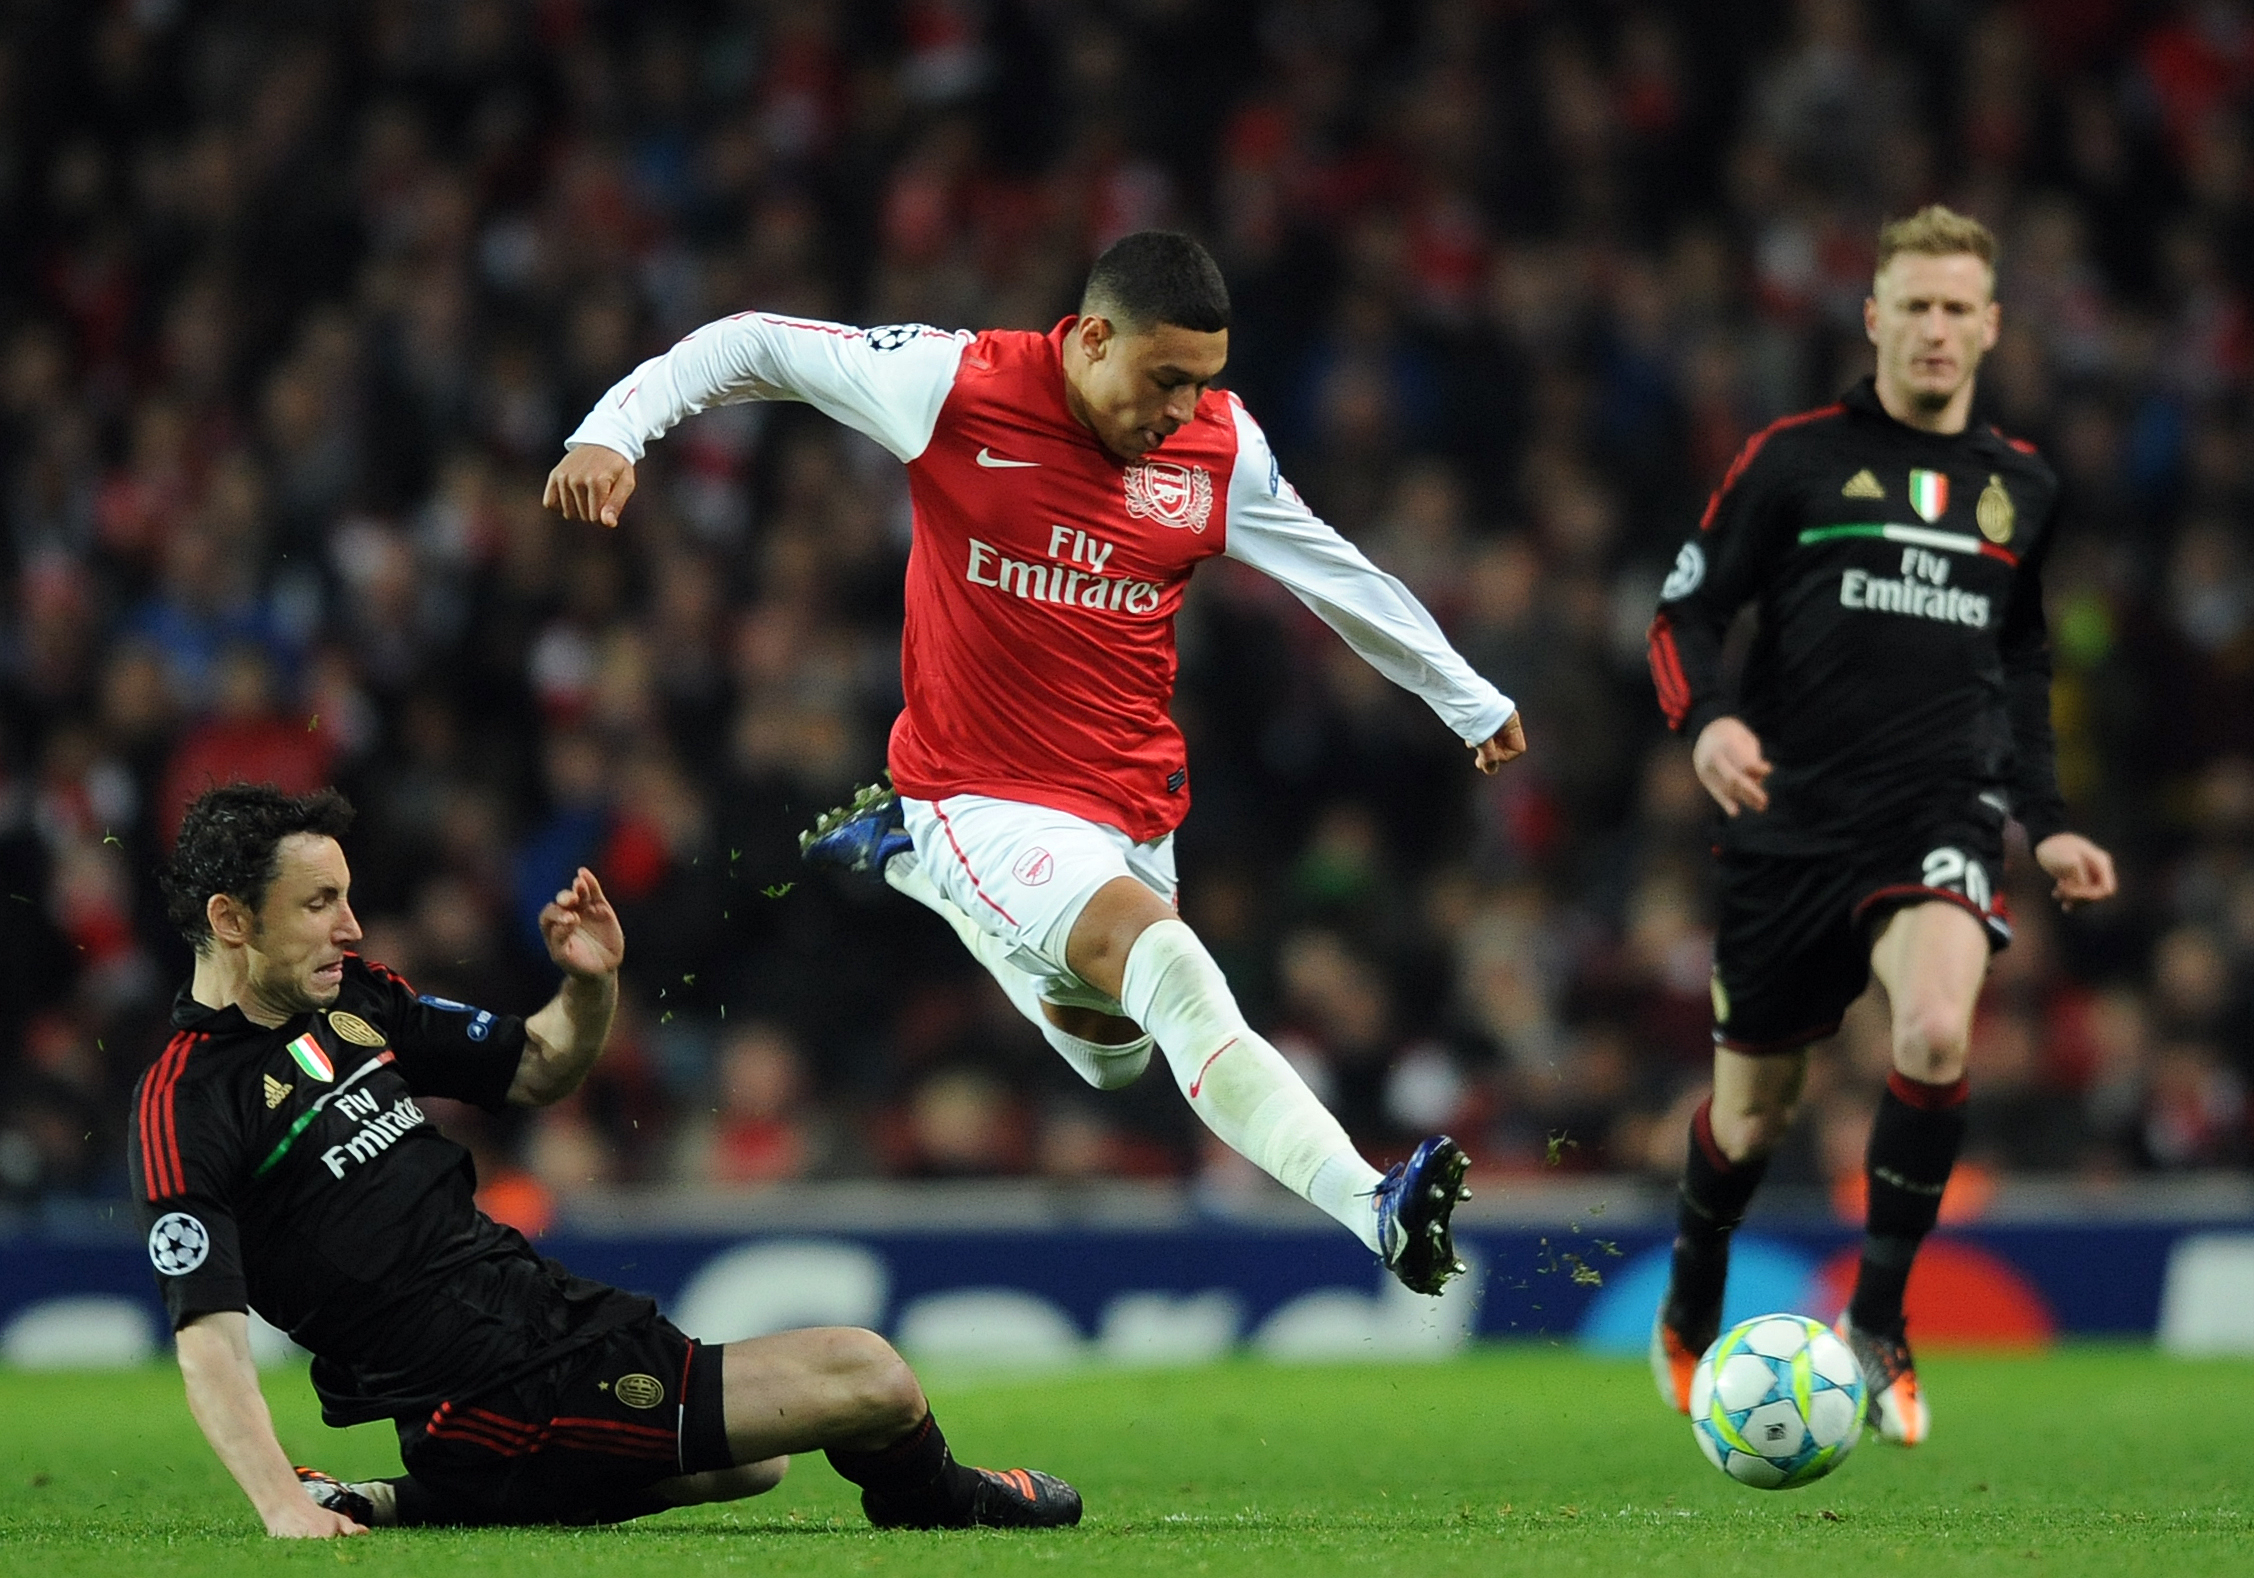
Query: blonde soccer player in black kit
{"points": [[1893, 715]]}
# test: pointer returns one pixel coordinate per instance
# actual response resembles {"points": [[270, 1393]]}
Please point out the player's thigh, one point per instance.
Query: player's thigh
{"points": [[1932, 958], [1934, 912], [1022, 872], [824, 1386], [1788, 955], [585, 1440]]}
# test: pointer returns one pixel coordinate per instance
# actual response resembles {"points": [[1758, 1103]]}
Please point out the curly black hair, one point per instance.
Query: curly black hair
{"points": [[230, 842]]}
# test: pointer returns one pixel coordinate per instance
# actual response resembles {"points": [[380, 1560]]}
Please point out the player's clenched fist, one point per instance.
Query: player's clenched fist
{"points": [[1507, 744], [590, 483], [2081, 872]]}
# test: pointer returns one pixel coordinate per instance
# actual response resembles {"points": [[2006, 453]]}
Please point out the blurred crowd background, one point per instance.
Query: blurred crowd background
{"points": [[300, 300]]}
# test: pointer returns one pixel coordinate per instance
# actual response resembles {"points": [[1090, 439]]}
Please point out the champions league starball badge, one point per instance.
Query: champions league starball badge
{"points": [[178, 1244]]}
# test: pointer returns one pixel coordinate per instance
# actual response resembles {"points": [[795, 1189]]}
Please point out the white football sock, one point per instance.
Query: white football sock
{"points": [[383, 1497], [1240, 1086], [1105, 1067]]}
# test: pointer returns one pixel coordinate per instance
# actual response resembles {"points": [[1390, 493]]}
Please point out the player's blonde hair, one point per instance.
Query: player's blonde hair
{"points": [[1936, 231]]}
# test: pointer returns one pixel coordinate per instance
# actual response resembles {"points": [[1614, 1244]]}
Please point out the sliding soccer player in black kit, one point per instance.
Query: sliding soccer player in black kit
{"points": [[280, 1163], [1894, 713]]}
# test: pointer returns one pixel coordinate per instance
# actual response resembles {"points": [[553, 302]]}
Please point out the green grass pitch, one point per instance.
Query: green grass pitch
{"points": [[1515, 1460]]}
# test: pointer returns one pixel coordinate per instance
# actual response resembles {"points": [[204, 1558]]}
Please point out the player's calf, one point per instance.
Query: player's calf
{"points": [[915, 1483], [1716, 1190]]}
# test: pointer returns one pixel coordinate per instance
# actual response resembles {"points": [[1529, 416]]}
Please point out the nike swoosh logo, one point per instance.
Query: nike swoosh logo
{"points": [[994, 462], [1199, 1082]]}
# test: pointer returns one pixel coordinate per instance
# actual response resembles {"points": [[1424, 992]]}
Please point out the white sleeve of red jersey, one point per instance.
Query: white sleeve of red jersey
{"points": [[888, 383], [1270, 529]]}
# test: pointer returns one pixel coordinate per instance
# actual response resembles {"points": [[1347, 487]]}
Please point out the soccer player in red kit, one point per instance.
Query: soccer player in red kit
{"points": [[1064, 487]]}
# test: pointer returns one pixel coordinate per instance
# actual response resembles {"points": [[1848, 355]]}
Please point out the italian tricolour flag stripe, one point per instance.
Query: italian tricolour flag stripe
{"points": [[1929, 494], [1915, 536], [308, 1055]]}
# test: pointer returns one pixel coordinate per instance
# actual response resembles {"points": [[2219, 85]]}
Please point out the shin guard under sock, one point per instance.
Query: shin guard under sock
{"points": [[916, 1477], [1913, 1149], [1240, 1086], [1714, 1196]]}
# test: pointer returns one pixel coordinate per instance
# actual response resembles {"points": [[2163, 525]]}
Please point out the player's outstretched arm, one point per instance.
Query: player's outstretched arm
{"points": [[591, 483], [563, 1039], [1270, 528], [2081, 872], [888, 383], [223, 1394]]}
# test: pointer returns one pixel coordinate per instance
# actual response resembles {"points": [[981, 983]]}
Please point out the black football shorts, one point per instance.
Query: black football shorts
{"points": [[578, 1442], [1792, 949]]}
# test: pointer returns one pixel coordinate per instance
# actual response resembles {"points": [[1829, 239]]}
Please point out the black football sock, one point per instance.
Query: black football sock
{"points": [[415, 1506], [1715, 1194], [1913, 1148], [917, 1478]]}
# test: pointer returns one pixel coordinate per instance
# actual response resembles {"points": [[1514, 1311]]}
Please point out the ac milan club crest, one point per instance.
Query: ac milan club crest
{"points": [[1169, 494]]}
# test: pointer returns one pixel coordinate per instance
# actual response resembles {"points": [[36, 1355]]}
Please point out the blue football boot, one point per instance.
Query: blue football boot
{"points": [[1414, 1201], [860, 835]]}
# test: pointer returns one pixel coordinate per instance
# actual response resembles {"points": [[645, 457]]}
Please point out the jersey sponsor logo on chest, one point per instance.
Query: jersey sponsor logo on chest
{"points": [[1072, 576], [355, 1101], [380, 1128], [1921, 590]]}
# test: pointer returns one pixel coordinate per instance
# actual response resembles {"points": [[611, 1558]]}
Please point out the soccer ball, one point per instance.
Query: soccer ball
{"points": [[1777, 1402]]}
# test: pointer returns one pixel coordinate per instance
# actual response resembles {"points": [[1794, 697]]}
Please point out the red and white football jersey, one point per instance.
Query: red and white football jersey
{"points": [[1038, 658]]}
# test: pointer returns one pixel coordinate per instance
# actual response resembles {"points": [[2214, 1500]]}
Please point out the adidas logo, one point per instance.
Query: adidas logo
{"points": [[276, 1092], [1862, 485]]}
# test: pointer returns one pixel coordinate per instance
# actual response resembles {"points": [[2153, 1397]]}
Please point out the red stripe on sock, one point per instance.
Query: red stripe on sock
{"points": [[1702, 1130], [1928, 1098]]}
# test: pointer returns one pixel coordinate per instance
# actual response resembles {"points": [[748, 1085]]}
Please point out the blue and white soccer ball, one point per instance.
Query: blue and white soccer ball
{"points": [[1777, 1402]]}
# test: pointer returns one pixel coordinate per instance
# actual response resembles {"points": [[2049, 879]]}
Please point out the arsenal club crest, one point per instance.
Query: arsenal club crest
{"points": [[1169, 494]]}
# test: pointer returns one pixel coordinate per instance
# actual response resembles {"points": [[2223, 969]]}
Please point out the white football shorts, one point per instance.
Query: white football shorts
{"points": [[1024, 872]]}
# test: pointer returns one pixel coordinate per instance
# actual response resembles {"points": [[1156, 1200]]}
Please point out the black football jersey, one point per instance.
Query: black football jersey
{"points": [[1901, 658], [290, 1171]]}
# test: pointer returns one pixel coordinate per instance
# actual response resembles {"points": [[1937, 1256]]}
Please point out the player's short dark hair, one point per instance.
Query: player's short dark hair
{"points": [[231, 841], [1158, 276]]}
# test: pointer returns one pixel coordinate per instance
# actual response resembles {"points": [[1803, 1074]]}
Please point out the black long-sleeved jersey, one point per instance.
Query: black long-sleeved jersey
{"points": [[288, 1170], [1901, 653]]}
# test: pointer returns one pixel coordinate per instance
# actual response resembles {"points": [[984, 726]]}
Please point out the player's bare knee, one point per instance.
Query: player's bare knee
{"points": [[891, 1398], [1751, 1132], [1930, 1041]]}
